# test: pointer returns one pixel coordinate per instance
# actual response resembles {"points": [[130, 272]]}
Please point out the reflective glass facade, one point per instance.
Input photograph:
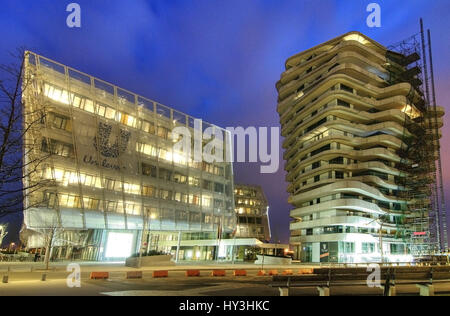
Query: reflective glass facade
{"points": [[111, 163]]}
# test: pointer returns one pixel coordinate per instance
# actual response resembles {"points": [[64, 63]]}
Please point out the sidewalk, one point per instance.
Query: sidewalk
{"points": [[90, 266]]}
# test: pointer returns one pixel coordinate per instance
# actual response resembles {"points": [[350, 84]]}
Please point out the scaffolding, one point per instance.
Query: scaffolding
{"points": [[423, 221]]}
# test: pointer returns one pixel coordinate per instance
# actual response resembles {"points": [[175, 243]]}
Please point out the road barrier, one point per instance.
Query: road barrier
{"points": [[99, 275], [261, 273], [273, 272], [306, 271], [217, 273], [192, 273], [160, 273], [287, 272], [134, 274], [323, 279], [240, 273]]}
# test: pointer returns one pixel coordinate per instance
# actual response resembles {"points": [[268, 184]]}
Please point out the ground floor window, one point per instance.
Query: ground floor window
{"points": [[368, 247], [397, 249], [347, 247]]}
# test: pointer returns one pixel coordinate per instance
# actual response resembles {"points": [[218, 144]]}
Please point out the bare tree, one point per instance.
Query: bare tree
{"points": [[16, 121], [3, 233], [54, 236], [50, 235]]}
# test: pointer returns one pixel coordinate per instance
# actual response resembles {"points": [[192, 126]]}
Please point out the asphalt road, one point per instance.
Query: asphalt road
{"points": [[25, 279], [175, 285]]}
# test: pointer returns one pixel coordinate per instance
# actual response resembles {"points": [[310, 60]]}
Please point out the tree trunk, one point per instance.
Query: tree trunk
{"points": [[48, 249]]}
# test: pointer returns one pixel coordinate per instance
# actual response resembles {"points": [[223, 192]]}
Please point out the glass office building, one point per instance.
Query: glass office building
{"points": [[252, 212], [111, 171]]}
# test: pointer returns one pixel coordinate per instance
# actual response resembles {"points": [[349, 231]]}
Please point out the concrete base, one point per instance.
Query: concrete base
{"points": [[150, 261], [284, 291], [323, 291], [392, 291], [426, 289], [272, 260]]}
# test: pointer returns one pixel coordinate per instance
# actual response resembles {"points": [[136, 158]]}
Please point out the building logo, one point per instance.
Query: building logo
{"points": [[102, 145]]}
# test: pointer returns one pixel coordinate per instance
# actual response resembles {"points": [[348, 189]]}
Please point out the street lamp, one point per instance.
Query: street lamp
{"points": [[380, 221], [144, 229]]}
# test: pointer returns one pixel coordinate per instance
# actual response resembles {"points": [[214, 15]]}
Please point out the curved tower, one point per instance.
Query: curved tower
{"points": [[359, 151]]}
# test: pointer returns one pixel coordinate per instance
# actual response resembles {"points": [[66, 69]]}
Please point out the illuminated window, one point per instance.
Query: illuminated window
{"points": [[165, 154], [109, 184], [148, 127], [132, 209], [111, 206], [206, 201], [194, 181], [59, 121], [179, 178], [148, 191], [101, 109], [163, 132], [356, 37], [147, 149], [89, 106], [194, 199], [165, 194], [126, 119], [76, 101], [180, 158], [207, 219], [119, 245], [57, 148], [110, 113], [181, 197]]}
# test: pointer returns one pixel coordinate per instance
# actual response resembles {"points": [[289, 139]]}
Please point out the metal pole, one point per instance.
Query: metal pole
{"points": [[216, 251], [144, 228], [178, 246], [427, 97], [234, 249], [381, 243], [262, 263], [438, 149]]}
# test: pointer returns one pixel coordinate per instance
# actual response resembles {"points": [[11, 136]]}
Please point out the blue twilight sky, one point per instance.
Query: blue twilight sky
{"points": [[218, 60]]}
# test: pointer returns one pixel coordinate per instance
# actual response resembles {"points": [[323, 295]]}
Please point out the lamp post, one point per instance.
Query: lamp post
{"points": [[380, 221], [144, 229]]}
